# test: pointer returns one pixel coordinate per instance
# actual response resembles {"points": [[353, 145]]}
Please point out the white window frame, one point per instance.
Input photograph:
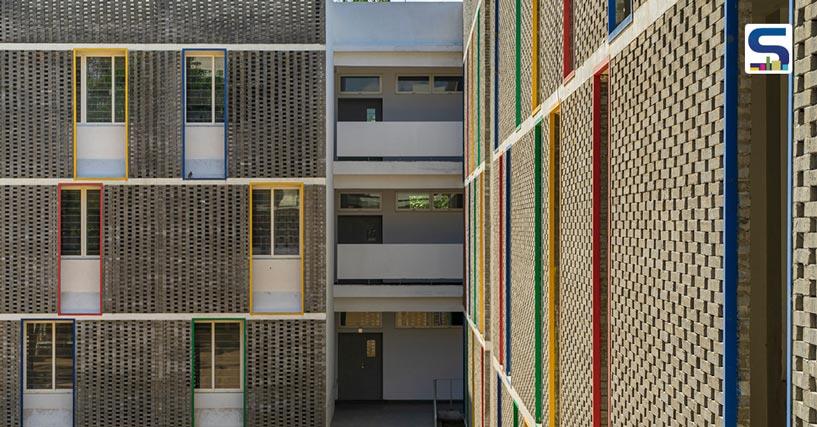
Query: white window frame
{"points": [[445, 209], [272, 223], [379, 84], [53, 388], [378, 209], [397, 201], [213, 56], [83, 206], [84, 92], [445, 92], [429, 78], [213, 389]]}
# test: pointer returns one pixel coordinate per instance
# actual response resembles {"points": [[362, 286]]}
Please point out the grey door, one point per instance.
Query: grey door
{"points": [[360, 366]]}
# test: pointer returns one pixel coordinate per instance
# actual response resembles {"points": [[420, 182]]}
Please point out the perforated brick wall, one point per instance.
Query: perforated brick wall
{"points": [[286, 365], [315, 248], [507, 408], [163, 21], [154, 121], [576, 258], [28, 249], [804, 320], [176, 249], [133, 373], [496, 250], [550, 47], [276, 114], [523, 327], [10, 373], [590, 28], [507, 85], [35, 113], [666, 219]]}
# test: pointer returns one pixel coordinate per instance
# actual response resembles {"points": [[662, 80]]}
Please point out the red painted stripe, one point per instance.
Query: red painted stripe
{"points": [[567, 45], [60, 187]]}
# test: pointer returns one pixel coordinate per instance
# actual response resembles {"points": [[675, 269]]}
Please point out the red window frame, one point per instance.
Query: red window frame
{"points": [[78, 186]]}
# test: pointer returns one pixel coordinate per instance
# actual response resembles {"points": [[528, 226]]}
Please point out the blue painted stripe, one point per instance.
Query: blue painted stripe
{"points": [[730, 215], [508, 262], [789, 255], [498, 398]]}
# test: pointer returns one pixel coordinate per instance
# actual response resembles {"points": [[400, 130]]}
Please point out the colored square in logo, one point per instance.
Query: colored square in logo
{"points": [[768, 49]]}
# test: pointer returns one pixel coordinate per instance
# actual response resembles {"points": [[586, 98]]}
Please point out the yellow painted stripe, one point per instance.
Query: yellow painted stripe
{"points": [[281, 185], [552, 274]]}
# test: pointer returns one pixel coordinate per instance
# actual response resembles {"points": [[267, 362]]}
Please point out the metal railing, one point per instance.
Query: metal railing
{"points": [[451, 401]]}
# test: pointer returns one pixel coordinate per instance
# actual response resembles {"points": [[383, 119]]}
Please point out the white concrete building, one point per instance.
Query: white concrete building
{"points": [[394, 142]]}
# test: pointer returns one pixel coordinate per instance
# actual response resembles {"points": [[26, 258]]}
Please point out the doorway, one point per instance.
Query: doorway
{"points": [[360, 366]]}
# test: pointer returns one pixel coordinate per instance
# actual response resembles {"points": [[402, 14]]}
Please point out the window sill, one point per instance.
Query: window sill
{"points": [[79, 257], [276, 257], [54, 391], [219, 390], [620, 28]]}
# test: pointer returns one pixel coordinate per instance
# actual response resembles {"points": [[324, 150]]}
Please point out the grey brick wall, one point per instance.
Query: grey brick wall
{"points": [[155, 116], [133, 373], [804, 347], [286, 365], [163, 21], [666, 216], [276, 114], [35, 113], [176, 249], [28, 249], [315, 248], [10, 373]]}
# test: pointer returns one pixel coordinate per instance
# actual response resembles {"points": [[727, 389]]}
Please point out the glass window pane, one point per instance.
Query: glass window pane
{"points": [[447, 83], [98, 91], [92, 222], [360, 201], [64, 352], [369, 84], [360, 229], [203, 356], [413, 201], [70, 222], [443, 201], [228, 355], [261, 218], [413, 84], [287, 222], [38, 356], [219, 90], [622, 10], [199, 74], [119, 86]]}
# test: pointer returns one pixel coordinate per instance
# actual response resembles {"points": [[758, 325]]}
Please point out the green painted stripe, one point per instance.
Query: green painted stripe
{"points": [[537, 265], [518, 64], [515, 414], [473, 252]]}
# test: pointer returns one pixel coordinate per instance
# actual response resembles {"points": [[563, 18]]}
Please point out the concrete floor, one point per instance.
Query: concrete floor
{"points": [[392, 414]]}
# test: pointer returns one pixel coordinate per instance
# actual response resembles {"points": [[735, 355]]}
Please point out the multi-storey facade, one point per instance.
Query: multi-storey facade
{"points": [[164, 248], [637, 215], [396, 91]]}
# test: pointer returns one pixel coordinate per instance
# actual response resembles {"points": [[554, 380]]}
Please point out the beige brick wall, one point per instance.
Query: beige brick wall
{"points": [[804, 320], [666, 216]]}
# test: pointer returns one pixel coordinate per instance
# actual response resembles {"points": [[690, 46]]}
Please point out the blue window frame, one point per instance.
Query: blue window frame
{"points": [[204, 113], [619, 16]]}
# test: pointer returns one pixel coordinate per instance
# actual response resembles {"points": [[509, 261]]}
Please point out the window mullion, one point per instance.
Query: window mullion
{"points": [[213, 89], [113, 89], [83, 222], [272, 221], [53, 355], [84, 89], [213, 355]]}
